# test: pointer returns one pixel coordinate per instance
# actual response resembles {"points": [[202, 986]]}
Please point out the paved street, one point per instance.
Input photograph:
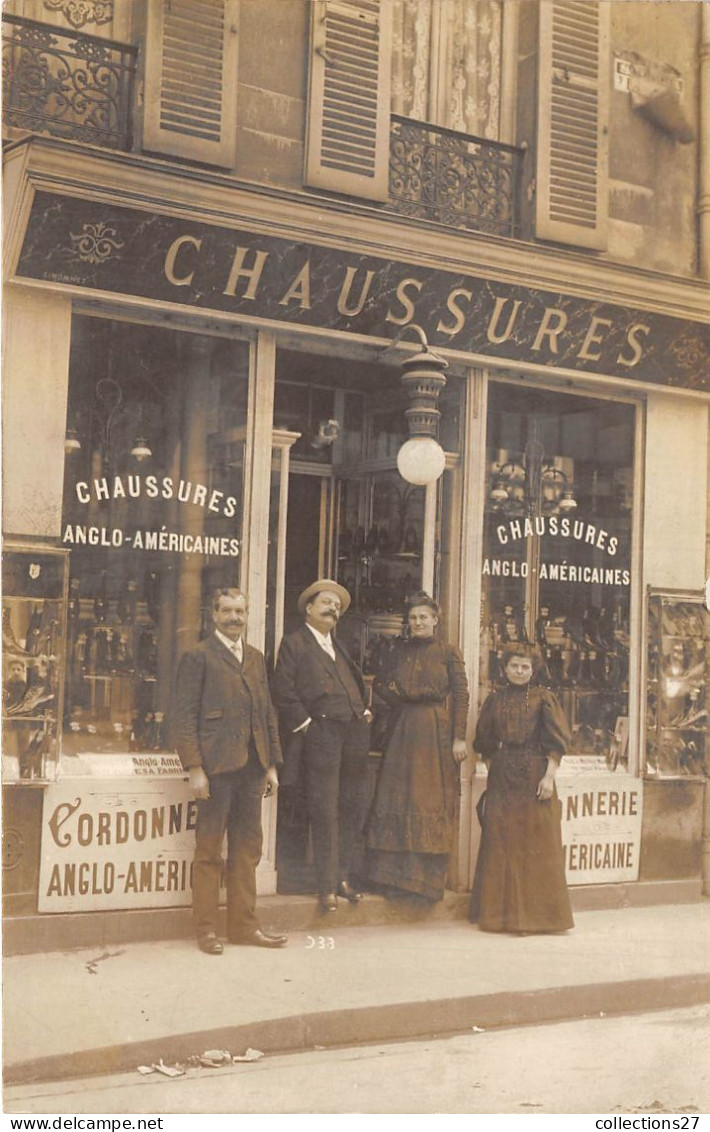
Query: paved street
{"points": [[105, 1010], [655, 1062]]}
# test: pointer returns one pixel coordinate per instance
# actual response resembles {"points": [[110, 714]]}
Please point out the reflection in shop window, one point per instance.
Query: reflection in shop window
{"points": [[33, 603], [677, 680], [152, 518], [557, 553]]}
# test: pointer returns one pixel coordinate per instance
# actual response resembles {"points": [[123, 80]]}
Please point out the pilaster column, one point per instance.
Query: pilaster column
{"points": [[34, 402], [704, 145]]}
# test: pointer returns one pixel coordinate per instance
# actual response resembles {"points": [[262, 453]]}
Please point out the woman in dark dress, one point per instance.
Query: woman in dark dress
{"points": [[411, 824], [522, 734]]}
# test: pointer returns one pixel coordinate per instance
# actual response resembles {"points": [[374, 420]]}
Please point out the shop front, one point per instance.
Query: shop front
{"points": [[222, 404]]}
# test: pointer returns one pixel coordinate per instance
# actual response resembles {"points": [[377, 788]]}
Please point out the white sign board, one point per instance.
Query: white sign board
{"points": [[108, 844], [601, 827], [110, 765]]}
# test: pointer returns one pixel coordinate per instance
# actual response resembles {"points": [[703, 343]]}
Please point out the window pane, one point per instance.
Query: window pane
{"points": [[557, 551], [152, 516]]}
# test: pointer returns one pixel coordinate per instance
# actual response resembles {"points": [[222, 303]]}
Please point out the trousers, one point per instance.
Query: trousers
{"points": [[334, 761], [234, 807]]}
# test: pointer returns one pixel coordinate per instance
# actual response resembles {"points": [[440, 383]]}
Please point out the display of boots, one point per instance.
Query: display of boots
{"points": [[152, 595], [35, 699], [34, 631], [127, 602], [556, 666], [100, 601], [102, 655], [541, 626]]}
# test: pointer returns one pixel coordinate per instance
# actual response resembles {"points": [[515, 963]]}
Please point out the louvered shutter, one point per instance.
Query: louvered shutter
{"points": [[191, 80], [347, 144], [573, 112]]}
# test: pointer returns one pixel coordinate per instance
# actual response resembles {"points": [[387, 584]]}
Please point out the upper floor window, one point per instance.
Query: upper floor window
{"points": [[446, 63]]}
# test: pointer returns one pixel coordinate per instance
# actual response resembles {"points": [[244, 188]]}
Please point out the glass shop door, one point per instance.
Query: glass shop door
{"points": [[299, 538]]}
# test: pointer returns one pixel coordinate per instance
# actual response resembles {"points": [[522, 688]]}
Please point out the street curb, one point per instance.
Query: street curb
{"points": [[390, 1022]]}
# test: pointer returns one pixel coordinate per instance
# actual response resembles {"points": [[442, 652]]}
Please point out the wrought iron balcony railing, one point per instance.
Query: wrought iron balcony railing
{"points": [[453, 178], [66, 84]]}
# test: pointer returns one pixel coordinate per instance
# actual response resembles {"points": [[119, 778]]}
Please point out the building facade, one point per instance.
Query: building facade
{"points": [[232, 227]]}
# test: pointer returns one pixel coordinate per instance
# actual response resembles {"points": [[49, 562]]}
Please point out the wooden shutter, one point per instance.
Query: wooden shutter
{"points": [[191, 80], [573, 111], [347, 144]]}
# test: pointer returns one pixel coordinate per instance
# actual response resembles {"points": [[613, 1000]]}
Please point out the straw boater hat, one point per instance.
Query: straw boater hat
{"points": [[317, 587]]}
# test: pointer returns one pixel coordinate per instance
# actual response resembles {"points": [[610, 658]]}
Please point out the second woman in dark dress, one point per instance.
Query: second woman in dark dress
{"points": [[522, 734], [411, 824]]}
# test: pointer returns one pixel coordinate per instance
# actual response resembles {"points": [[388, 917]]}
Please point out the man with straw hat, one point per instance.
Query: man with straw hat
{"points": [[319, 693]]}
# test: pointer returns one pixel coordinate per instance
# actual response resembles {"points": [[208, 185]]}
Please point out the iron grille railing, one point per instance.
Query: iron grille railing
{"points": [[66, 84], [453, 178]]}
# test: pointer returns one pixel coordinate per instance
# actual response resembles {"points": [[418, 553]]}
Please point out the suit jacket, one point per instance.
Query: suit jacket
{"points": [[303, 678], [212, 712]]}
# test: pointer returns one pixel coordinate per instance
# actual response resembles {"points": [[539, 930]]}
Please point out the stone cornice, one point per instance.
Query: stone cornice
{"points": [[160, 186]]}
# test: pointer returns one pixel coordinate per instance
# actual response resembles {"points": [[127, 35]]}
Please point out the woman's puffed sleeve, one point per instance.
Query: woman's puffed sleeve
{"points": [[486, 739], [458, 690], [556, 737]]}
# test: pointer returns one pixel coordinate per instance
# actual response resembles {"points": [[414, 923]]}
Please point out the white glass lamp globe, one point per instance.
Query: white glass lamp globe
{"points": [[140, 450], [421, 460], [567, 502]]}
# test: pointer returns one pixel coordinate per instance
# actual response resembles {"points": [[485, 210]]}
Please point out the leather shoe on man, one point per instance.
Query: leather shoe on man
{"points": [[209, 944], [349, 893], [259, 938], [328, 903]]}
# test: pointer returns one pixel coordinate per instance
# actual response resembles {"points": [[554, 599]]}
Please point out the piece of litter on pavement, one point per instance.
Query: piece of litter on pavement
{"points": [[145, 1069], [249, 1055], [167, 1070], [478, 1030], [214, 1058]]}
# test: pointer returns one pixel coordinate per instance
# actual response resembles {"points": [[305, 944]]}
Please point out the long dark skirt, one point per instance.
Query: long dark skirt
{"points": [[520, 884], [417, 874], [410, 827]]}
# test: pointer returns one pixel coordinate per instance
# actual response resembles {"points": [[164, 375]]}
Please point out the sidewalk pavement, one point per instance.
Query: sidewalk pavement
{"points": [[106, 1010]]}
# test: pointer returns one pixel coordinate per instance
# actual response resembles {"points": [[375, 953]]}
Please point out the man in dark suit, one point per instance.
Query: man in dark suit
{"points": [[320, 695], [226, 733]]}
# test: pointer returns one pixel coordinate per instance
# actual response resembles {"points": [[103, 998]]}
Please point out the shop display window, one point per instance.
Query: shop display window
{"points": [[678, 665], [557, 553], [152, 519], [34, 589]]}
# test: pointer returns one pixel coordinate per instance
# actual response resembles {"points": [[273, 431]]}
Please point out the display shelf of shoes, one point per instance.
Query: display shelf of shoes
{"points": [[677, 680], [112, 675], [34, 631], [585, 665]]}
